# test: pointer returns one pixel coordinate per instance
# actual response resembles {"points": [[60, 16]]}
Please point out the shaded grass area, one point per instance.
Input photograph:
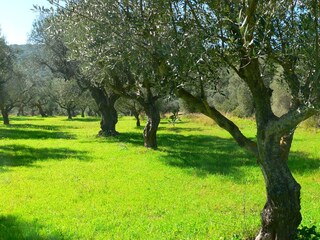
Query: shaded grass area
{"points": [[211, 154], [42, 126], [12, 228], [85, 119], [19, 155], [207, 154], [58, 180], [17, 133], [301, 163], [23, 119]]}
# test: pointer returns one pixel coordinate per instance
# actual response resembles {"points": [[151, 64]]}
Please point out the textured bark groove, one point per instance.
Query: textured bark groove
{"points": [[281, 215]]}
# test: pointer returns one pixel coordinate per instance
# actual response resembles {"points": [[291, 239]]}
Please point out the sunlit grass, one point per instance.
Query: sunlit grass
{"points": [[58, 180]]}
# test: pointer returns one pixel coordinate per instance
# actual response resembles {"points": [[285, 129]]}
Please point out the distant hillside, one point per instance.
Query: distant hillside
{"points": [[24, 52]]}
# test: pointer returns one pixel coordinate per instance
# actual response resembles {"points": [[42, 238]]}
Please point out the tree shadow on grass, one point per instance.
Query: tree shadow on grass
{"points": [[176, 129], [206, 154], [128, 137], [86, 119], [13, 133], [214, 155], [42, 127], [35, 118], [12, 228], [300, 163], [203, 154], [19, 155]]}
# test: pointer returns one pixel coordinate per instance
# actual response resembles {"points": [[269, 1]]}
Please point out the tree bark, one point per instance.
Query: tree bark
{"points": [[41, 111], [90, 113], [5, 116], [136, 116], [151, 128], [69, 111], [109, 115], [50, 111], [21, 111], [109, 119], [281, 214], [202, 106]]}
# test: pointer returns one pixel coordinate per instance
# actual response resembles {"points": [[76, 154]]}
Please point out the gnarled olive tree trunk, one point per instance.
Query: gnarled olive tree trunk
{"points": [[109, 115], [281, 214], [5, 116], [41, 110], [151, 128], [137, 117], [83, 112], [69, 112]]}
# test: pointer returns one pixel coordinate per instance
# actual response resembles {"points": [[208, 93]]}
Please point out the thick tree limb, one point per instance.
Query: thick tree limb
{"points": [[290, 120], [221, 120]]}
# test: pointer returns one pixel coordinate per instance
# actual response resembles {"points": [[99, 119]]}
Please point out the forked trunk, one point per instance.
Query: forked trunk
{"points": [[5, 116], [150, 130], [281, 214]]}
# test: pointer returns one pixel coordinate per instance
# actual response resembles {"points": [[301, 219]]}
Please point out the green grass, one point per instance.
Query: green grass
{"points": [[58, 180]]}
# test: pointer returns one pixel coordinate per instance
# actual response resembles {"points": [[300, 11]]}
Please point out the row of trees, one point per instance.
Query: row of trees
{"points": [[146, 51], [29, 87]]}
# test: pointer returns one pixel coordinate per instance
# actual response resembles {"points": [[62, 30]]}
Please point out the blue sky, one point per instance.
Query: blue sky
{"points": [[16, 18]]}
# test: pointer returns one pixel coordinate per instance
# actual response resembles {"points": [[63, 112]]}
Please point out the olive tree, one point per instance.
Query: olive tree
{"points": [[125, 43], [250, 38], [6, 74], [66, 94], [52, 31], [130, 107], [14, 94]]}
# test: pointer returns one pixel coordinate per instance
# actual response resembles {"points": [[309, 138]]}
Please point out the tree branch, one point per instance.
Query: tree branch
{"points": [[222, 121], [289, 121]]}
